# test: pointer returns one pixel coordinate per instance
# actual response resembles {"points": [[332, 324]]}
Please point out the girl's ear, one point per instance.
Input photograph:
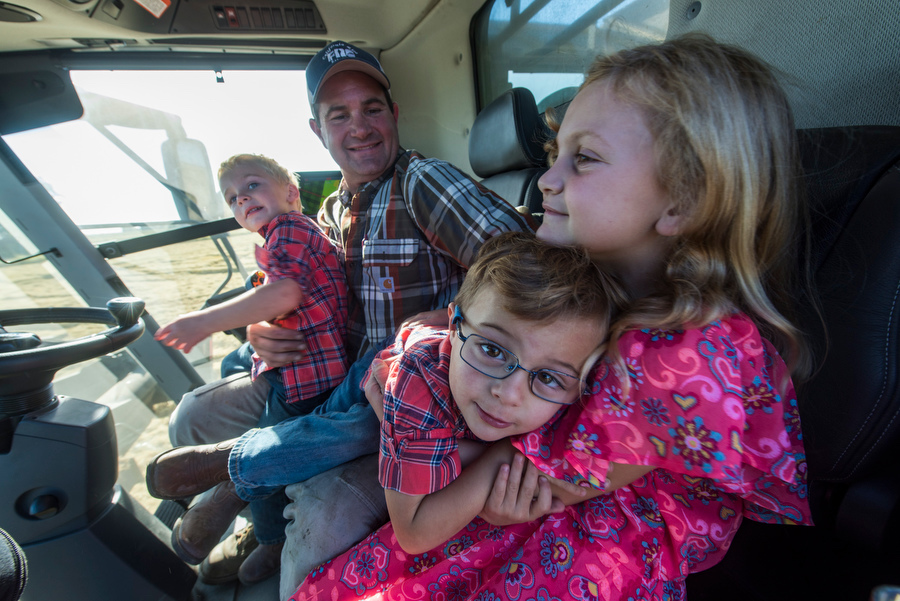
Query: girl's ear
{"points": [[671, 221]]}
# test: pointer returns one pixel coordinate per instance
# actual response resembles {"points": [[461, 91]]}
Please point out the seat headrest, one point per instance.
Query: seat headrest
{"points": [[850, 409], [840, 166], [508, 135]]}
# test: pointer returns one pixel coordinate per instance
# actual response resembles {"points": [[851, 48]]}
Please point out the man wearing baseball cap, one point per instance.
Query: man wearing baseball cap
{"points": [[409, 226]]}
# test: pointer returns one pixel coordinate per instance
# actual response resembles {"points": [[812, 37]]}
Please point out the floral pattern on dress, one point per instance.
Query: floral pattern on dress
{"points": [[365, 567], [712, 409]]}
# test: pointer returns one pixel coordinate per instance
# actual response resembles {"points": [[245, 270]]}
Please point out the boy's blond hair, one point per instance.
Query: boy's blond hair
{"points": [[270, 166]]}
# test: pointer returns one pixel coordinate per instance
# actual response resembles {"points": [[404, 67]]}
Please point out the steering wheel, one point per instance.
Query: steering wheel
{"points": [[27, 365]]}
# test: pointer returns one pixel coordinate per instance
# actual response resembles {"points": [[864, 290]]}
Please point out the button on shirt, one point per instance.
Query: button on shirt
{"points": [[408, 238], [296, 249]]}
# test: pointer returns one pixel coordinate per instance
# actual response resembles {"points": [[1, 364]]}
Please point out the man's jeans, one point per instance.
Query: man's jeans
{"points": [[265, 459], [328, 514], [237, 361]]}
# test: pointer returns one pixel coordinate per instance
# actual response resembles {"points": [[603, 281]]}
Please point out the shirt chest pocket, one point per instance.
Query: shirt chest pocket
{"points": [[378, 253]]}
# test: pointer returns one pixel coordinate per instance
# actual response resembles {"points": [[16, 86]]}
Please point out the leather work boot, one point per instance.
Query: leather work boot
{"points": [[263, 563], [224, 560], [183, 472], [201, 527]]}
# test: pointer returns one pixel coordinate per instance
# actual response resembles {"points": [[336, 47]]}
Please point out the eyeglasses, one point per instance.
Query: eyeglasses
{"points": [[489, 358]]}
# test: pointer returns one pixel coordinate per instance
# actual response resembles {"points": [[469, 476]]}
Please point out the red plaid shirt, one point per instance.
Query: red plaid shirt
{"points": [[420, 433], [296, 248]]}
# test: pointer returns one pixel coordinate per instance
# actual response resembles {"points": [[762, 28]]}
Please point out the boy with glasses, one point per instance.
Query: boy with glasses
{"points": [[528, 323]]}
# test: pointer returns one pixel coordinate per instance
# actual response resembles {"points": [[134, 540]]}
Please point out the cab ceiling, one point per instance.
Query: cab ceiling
{"points": [[198, 24]]}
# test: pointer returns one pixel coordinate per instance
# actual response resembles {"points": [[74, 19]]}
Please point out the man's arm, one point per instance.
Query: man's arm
{"points": [[455, 213], [262, 303]]}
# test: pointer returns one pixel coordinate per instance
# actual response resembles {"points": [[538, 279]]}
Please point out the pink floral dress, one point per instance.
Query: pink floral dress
{"points": [[712, 408]]}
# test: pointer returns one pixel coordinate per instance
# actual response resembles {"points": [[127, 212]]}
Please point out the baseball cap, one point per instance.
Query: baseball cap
{"points": [[341, 56]]}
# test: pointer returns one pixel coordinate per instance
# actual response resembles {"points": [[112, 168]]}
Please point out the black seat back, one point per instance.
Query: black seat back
{"points": [[850, 409], [506, 148]]}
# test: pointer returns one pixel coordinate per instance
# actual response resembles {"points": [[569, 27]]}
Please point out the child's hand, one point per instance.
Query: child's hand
{"points": [[521, 493], [183, 333], [374, 385]]}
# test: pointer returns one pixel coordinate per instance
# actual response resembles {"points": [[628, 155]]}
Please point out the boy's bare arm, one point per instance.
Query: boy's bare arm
{"points": [[422, 522], [260, 304]]}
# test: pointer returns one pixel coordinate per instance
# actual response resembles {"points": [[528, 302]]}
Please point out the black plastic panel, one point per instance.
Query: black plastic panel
{"points": [[248, 16]]}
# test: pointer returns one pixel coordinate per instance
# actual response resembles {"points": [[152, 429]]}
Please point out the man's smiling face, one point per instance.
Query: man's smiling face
{"points": [[357, 126]]}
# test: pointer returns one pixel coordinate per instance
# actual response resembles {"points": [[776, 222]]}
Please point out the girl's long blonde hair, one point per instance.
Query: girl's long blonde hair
{"points": [[726, 153]]}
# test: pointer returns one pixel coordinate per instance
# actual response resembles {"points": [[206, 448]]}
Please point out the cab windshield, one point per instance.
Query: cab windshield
{"points": [[135, 178]]}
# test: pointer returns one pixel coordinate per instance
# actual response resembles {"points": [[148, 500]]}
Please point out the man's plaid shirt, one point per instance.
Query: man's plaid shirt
{"points": [[408, 238]]}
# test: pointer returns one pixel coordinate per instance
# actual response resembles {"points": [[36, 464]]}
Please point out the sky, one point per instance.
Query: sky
{"points": [[262, 112]]}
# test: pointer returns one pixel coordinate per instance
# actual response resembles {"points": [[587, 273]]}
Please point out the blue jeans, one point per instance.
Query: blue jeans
{"points": [[266, 459], [237, 360], [268, 510]]}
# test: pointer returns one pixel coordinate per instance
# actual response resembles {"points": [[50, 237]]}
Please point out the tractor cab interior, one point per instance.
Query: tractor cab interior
{"points": [[114, 114]]}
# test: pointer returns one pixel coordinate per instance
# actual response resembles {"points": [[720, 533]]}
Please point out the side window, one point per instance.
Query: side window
{"points": [[150, 142], [142, 163], [546, 45], [137, 176]]}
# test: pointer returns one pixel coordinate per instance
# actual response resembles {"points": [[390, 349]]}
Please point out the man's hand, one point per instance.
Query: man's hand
{"points": [[435, 318], [276, 346]]}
